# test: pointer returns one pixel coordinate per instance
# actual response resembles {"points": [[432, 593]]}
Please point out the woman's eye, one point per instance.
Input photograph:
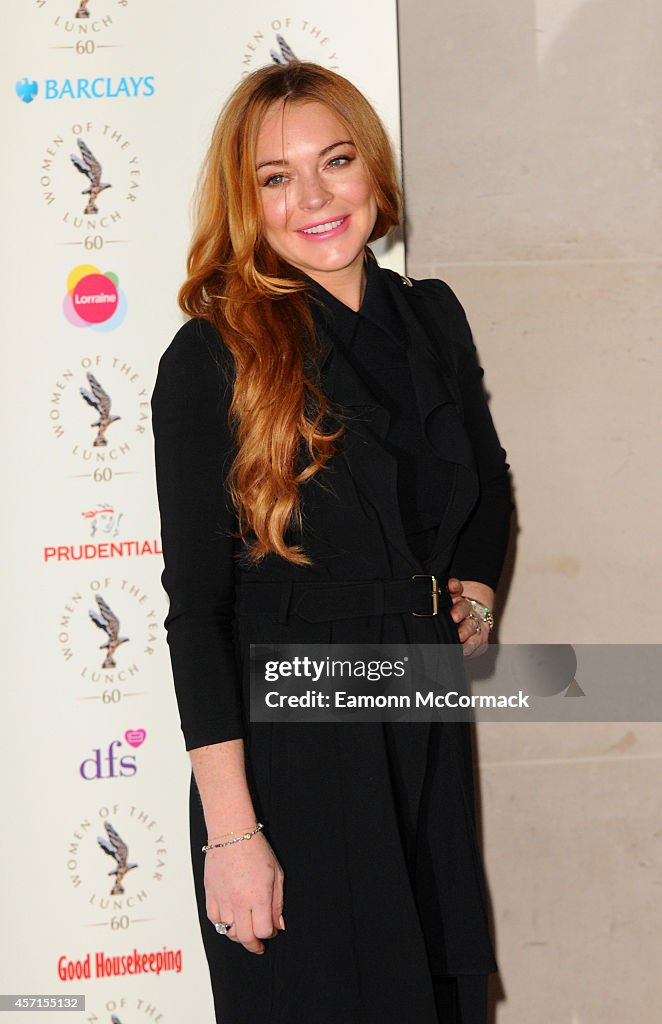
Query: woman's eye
{"points": [[338, 161], [275, 179]]}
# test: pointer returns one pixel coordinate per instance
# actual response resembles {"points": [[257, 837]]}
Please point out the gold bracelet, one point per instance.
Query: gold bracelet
{"points": [[239, 831], [229, 842]]}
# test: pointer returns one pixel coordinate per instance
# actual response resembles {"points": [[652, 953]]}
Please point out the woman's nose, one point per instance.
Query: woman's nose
{"points": [[314, 193]]}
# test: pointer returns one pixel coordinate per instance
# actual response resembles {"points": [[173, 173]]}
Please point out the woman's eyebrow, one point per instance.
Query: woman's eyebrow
{"points": [[322, 152]]}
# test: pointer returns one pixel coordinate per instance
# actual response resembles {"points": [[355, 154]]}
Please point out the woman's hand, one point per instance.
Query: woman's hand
{"points": [[244, 884], [473, 633]]}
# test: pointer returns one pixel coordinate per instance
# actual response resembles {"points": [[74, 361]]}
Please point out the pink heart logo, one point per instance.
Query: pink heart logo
{"points": [[135, 737]]}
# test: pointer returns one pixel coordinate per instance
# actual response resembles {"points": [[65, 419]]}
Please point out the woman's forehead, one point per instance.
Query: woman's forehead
{"points": [[289, 123]]}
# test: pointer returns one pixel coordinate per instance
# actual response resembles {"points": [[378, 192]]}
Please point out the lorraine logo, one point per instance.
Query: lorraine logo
{"points": [[94, 299], [288, 39], [107, 632], [26, 90], [116, 860]]}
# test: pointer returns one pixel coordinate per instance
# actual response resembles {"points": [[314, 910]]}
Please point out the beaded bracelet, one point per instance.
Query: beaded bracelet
{"points": [[247, 835]]}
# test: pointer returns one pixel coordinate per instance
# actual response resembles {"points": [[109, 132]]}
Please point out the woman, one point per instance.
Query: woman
{"points": [[324, 451]]}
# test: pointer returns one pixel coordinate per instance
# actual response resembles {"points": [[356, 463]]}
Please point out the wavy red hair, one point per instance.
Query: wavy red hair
{"points": [[259, 305]]}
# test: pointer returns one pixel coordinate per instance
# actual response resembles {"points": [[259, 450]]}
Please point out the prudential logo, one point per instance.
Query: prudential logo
{"points": [[102, 88]]}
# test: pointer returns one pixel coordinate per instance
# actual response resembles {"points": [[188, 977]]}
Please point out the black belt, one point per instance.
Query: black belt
{"points": [[319, 602]]}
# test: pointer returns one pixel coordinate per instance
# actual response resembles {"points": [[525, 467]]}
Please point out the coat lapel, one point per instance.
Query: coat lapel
{"points": [[439, 404], [435, 387], [366, 422]]}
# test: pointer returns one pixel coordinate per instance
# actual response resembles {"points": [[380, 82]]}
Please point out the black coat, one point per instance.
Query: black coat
{"points": [[373, 823]]}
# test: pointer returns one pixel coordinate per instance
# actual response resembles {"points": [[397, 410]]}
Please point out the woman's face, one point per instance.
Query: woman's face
{"points": [[318, 202]]}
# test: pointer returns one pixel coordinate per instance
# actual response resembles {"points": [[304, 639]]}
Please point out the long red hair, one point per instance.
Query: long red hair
{"points": [[258, 302]]}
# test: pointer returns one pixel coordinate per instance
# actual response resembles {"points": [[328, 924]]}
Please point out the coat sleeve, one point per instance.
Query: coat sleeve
{"points": [[483, 541], [193, 451]]}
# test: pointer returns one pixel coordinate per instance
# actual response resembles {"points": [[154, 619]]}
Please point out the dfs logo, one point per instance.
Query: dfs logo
{"points": [[111, 763]]}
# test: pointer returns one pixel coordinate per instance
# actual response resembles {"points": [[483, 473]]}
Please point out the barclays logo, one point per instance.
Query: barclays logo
{"points": [[102, 88], [26, 90]]}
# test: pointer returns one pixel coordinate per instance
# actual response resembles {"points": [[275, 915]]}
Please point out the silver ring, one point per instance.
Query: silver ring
{"points": [[479, 624], [223, 926]]}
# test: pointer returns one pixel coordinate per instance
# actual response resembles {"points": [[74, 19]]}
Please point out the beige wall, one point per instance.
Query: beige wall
{"points": [[533, 171]]}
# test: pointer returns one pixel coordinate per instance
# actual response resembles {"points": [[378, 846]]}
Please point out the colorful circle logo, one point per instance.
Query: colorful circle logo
{"points": [[94, 299]]}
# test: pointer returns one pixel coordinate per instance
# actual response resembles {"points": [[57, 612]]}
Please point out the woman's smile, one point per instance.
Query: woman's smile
{"points": [[326, 229]]}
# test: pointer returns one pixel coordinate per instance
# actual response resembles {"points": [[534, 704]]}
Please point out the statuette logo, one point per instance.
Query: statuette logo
{"points": [[99, 400], [106, 620], [88, 165], [116, 848], [284, 54]]}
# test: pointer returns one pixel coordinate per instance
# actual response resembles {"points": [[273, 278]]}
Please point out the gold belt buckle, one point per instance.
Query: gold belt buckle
{"points": [[435, 595]]}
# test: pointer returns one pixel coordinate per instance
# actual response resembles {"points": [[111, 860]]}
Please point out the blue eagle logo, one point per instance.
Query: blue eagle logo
{"points": [[26, 90]]}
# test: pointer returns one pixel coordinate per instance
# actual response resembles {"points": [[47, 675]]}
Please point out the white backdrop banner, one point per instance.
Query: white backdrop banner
{"points": [[107, 107]]}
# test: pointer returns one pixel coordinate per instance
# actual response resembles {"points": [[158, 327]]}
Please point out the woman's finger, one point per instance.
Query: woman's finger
{"points": [[476, 640], [461, 610], [277, 902], [469, 627], [244, 933], [213, 910], [263, 925], [467, 615]]}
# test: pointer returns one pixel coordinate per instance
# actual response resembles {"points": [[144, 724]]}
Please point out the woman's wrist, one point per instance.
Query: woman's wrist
{"points": [[230, 818], [220, 776], [478, 592]]}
